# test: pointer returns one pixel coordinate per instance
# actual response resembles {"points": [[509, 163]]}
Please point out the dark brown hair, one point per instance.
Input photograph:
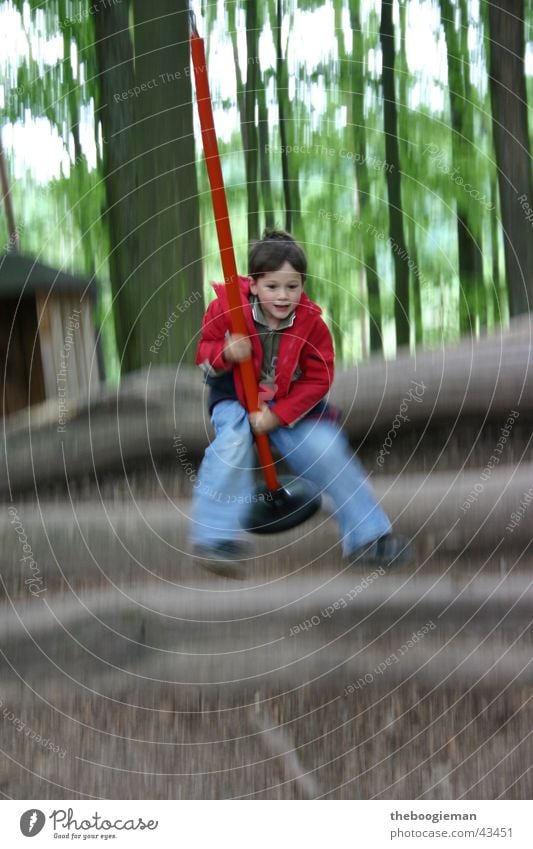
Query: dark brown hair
{"points": [[270, 252]]}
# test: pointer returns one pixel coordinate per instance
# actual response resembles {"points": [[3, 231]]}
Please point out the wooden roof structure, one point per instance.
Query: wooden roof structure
{"points": [[47, 337], [22, 275]]}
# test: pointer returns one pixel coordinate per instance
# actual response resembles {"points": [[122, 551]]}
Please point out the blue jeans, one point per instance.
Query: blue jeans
{"points": [[316, 450]]}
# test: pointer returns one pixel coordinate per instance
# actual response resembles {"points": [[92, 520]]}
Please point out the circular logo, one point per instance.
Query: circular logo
{"points": [[32, 822]]}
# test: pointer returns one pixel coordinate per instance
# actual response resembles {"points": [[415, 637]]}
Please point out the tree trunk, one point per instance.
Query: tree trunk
{"points": [[498, 295], [168, 281], [362, 180], [114, 59], [471, 301], [264, 160], [415, 283], [281, 85], [511, 143], [79, 170], [265, 181], [246, 100], [287, 127], [406, 157], [250, 99], [150, 178], [396, 229]]}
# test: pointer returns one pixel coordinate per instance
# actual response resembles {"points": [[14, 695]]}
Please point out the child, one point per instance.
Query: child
{"points": [[292, 352]]}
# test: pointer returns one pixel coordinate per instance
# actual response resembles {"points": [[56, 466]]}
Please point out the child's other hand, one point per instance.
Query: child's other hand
{"points": [[237, 348], [264, 421]]}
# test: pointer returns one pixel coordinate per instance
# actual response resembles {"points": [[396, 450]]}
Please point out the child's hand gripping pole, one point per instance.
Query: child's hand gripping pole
{"points": [[227, 255]]}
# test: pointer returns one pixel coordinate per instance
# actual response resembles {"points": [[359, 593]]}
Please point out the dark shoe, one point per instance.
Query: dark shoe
{"points": [[388, 552], [224, 558]]}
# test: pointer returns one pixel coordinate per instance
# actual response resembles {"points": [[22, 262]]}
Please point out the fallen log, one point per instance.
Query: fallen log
{"points": [[94, 542], [152, 410], [435, 385], [475, 633]]}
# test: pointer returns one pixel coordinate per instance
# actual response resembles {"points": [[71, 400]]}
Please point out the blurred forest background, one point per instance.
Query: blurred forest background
{"points": [[392, 138]]}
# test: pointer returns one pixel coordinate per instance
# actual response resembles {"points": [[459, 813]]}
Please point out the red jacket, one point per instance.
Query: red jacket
{"points": [[306, 345]]}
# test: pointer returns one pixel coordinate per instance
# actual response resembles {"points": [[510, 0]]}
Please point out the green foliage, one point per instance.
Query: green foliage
{"points": [[63, 222]]}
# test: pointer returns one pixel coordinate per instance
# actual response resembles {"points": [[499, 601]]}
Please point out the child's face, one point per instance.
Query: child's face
{"points": [[279, 292]]}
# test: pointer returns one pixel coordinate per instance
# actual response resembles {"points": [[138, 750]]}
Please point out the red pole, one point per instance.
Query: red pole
{"points": [[227, 255]]}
